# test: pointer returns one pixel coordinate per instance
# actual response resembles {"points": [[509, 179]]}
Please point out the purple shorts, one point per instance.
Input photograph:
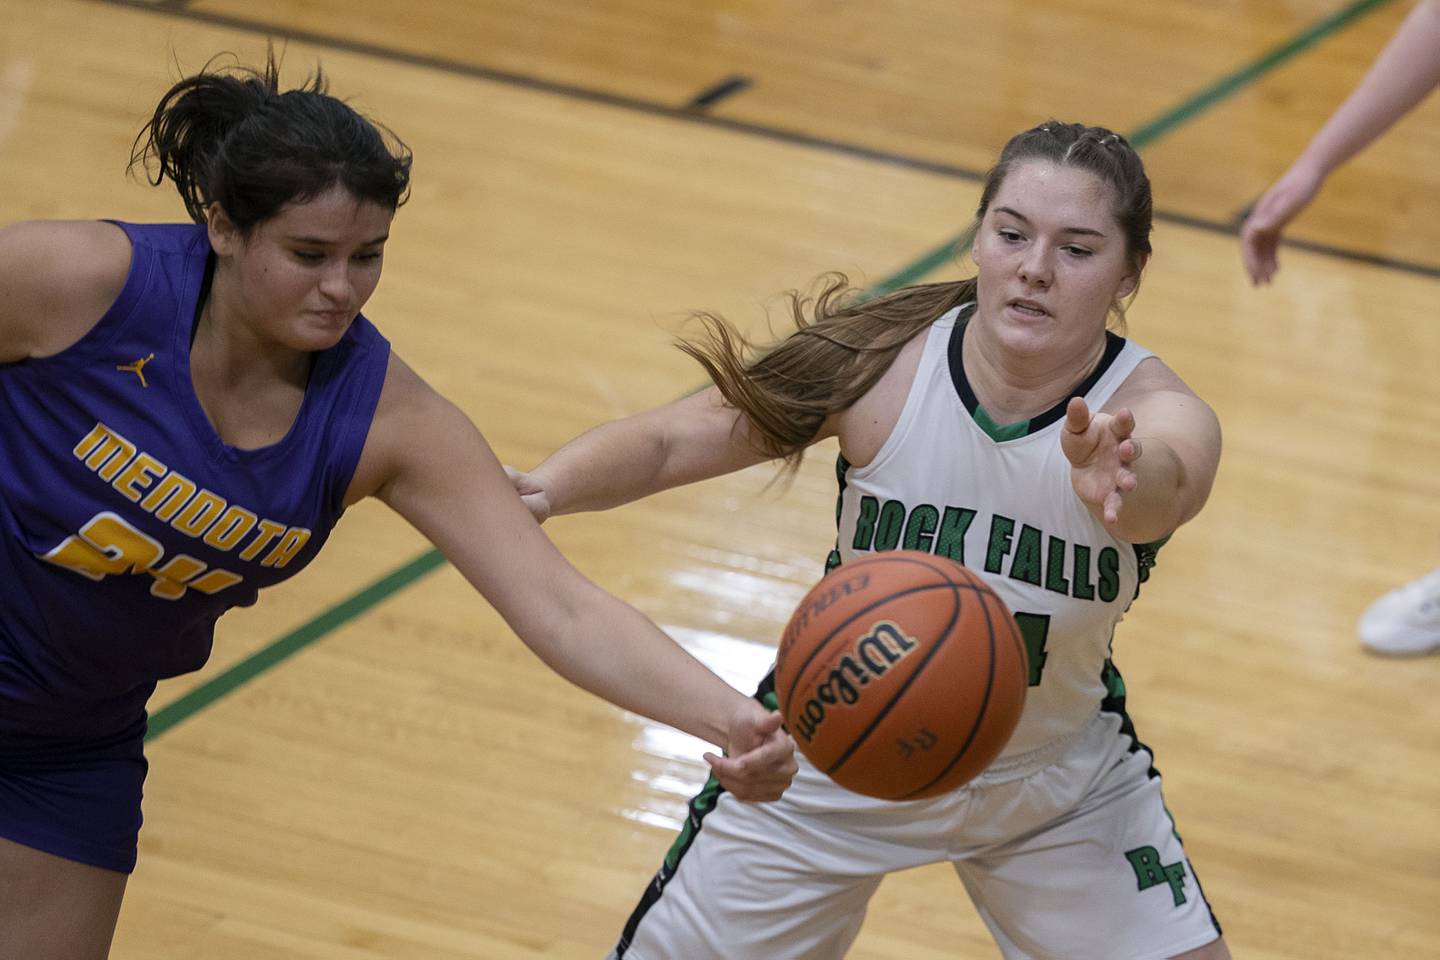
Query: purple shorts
{"points": [[76, 799]]}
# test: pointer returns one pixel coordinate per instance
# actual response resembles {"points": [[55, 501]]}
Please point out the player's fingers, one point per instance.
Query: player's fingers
{"points": [[537, 504], [728, 772], [751, 726], [1250, 261], [774, 755], [1257, 248], [746, 780], [769, 723], [1269, 262], [1123, 423], [778, 751], [1077, 415], [718, 763], [774, 752], [523, 485]]}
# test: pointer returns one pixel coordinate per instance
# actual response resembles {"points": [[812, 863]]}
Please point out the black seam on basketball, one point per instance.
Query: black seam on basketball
{"points": [[884, 711], [979, 714], [819, 648]]}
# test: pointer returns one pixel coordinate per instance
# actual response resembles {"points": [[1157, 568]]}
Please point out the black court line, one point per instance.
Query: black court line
{"points": [[1232, 228], [690, 113], [710, 96], [542, 85]]}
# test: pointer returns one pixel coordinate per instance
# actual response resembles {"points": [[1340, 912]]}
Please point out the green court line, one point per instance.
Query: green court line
{"points": [[951, 250], [291, 643]]}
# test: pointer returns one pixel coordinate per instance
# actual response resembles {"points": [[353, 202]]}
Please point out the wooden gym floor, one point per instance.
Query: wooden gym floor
{"points": [[412, 784]]}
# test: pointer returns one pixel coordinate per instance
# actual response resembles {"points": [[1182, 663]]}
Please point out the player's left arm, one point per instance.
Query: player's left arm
{"points": [[425, 459], [1145, 463]]}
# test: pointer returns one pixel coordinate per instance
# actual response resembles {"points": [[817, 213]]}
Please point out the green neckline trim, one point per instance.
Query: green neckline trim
{"points": [[997, 432]]}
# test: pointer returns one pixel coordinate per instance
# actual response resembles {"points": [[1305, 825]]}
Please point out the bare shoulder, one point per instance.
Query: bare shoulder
{"points": [[1165, 406], [1151, 375], [864, 427], [57, 279], [410, 418]]}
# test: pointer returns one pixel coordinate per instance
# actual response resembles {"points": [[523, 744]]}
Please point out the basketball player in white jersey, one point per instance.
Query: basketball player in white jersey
{"points": [[995, 421]]}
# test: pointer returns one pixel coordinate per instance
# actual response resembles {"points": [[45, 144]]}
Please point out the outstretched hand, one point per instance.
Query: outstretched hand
{"points": [[1101, 450], [1260, 235], [532, 493], [761, 761]]}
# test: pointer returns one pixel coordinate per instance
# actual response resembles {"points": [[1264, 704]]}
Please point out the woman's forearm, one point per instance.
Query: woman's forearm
{"points": [[1402, 75], [682, 442], [604, 467]]}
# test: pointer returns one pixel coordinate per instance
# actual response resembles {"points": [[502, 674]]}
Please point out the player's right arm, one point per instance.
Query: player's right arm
{"points": [[1404, 73], [696, 438], [691, 439], [427, 461], [57, 278]]}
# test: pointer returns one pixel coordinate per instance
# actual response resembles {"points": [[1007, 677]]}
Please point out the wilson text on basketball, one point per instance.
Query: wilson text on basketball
{"points": [[876, 652]]}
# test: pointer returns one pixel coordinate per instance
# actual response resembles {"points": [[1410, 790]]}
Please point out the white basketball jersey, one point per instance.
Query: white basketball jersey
{"points": [[998, 499]]}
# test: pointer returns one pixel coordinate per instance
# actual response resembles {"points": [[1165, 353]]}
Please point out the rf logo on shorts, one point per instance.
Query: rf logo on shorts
{"points": [[1150, 872]]}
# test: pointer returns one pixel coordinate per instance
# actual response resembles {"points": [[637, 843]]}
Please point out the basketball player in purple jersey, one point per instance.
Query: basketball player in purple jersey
{"points": [[185, 412]]}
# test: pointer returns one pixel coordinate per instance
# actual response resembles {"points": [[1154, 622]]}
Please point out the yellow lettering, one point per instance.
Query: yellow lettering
{"points": [[92, 439], [107, 545], [186, 573], [198, 514], [269, 529], [142, 472], [166, 499], [77, 555], [215, 581], [285, 550], [108, 453], [170, 579], [231, 528]]}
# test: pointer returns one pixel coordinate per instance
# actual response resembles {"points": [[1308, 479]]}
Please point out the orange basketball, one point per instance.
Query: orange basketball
{"points": [[901, 675]]}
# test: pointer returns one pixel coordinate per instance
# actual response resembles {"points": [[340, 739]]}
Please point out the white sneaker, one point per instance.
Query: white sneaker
{"points": [[1405, 621]]}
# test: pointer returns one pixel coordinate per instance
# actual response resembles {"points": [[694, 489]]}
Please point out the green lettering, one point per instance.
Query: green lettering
{"points": [[920, 529], [1055, 566], [865, 523], [1026, 565], [1150, 872], [1082, 588], [1000, 530], [1109, 574], [950, 541], [1035, 630], [892, 521]]}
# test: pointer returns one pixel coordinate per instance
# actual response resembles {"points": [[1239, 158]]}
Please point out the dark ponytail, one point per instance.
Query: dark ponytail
{"points": [[228, 135]]}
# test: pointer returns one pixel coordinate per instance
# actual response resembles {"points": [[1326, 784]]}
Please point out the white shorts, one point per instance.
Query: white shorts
{"points": [[1068, 853]]}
